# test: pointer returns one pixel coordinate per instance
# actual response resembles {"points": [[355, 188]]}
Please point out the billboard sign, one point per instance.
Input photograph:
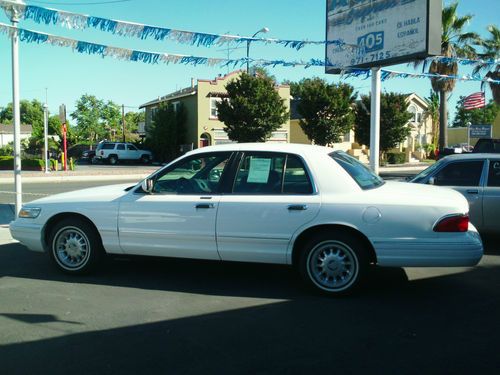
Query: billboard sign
{"points": [[381, 32], [480, 131]]}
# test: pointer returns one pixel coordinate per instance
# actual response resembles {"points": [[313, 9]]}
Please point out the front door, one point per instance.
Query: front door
{"points": [[272, 197], [178, 218], [491, 198]]}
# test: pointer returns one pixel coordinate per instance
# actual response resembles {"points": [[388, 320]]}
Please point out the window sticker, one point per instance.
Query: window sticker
{"points": [[259, 170]]}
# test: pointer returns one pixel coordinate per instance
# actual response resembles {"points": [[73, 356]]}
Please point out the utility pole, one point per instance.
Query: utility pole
{"points": [[46, 132], [123, 122]]}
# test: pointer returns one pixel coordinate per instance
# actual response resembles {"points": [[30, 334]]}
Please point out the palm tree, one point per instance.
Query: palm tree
{"points": [[432, 112], [454, 43], [491, 51]]}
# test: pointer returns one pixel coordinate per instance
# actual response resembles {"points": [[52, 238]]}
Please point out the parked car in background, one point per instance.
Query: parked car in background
{"points": [[487, 145], [477, 177], [114, 152], [317, 209], [87, 156]]}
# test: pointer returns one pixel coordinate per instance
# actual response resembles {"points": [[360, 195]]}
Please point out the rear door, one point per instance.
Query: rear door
{"points": [[491, 197], [272, 196], [465, 177]]}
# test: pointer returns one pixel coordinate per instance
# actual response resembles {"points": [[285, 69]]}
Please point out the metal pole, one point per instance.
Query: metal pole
{"points": [[263, 30], [16, 110], [46, 136], [123, 123], [375, 121]]}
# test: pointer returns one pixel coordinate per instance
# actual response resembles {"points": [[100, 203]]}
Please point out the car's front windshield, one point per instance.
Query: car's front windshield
{"points": [[426, 172], [363, 176]]}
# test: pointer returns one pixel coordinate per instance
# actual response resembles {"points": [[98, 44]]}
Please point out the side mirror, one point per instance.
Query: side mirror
{"points": [[147, 185], [432, 181]]}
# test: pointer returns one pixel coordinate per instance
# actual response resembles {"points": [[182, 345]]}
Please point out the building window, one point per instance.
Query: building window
{"points": [[413, 112], [154, 111], [213, 108], [176, 105]]}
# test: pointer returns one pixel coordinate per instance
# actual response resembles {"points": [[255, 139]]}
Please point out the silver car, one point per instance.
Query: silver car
{"points": [[477, 177]]}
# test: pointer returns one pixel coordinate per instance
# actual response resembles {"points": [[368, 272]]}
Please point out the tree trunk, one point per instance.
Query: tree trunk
{"points": [[443, 120]]}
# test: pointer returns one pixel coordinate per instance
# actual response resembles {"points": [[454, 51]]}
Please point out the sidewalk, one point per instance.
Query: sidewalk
{"points": [[82, 174]]}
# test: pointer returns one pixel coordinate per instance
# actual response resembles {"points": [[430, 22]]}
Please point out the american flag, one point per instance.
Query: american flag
{"points": [[475, 100]]}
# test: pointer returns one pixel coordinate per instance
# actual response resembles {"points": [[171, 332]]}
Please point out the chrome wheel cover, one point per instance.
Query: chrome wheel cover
{"points": [[332, 266], [71, 248]]}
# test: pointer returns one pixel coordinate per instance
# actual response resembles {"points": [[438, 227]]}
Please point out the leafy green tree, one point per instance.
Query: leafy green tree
{"points": [[477, 116], [394, 117], [454, 43], [31, 114], [132, 120], [252, 110], [491, 51], [326, 110], [87, 115], [167, 132]]}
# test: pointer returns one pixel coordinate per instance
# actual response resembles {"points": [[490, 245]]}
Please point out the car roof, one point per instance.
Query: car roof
{"points": [[472, 156], [271, 147]]}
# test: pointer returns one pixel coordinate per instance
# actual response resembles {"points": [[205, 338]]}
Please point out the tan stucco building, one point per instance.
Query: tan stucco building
{"points": [[459, 135], [202, 124]]}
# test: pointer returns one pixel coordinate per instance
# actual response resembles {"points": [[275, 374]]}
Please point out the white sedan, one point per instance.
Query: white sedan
{"points": [[317, 209]]}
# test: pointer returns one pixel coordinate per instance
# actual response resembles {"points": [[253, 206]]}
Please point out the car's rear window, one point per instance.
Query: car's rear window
{"points": [[360, 173], [106, 146]]}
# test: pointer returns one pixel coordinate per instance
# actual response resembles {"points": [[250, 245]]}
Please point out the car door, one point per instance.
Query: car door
{"points": [[491, 197], [121, 151], [178, 218], [272, 196], [132, 152], [465, 176]]}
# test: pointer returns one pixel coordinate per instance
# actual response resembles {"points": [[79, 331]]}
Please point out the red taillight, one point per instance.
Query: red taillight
{"points": [[458, 223]]}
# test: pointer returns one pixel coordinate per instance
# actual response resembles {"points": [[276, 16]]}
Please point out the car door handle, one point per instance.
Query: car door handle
{"points": [[204, 205], [472, 191], [297, 207]]}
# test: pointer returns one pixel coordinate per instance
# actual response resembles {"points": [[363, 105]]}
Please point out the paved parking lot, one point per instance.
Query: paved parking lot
{"points": [[151, 316]]}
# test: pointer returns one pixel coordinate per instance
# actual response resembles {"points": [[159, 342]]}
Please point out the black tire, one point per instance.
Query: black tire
{"points": [[112, 159], [334, 263], [145, 159], [75, 246]]}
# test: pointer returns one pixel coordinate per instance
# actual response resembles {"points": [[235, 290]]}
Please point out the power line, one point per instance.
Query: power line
{"points": [[91, 3]]}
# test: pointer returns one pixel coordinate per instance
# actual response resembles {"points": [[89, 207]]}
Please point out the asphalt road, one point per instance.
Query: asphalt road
{"points": [[165, 316]]}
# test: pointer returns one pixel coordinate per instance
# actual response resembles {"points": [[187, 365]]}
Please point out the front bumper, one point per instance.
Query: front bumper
{"points": [[450, 250], [29, 234]]}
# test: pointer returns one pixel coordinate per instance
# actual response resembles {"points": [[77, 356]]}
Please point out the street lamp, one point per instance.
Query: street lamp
{"points": [[263, 30], [14, 14]]}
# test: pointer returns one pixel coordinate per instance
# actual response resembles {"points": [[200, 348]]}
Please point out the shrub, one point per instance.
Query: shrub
{"points": [[395, 157], [7, 162]]}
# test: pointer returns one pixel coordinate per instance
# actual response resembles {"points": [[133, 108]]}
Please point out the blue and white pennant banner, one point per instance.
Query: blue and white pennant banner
{"points": [[72, 20], [29, 36]]}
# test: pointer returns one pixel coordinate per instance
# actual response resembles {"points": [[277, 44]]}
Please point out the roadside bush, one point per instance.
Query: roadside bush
{"points": [[7, 162], [395, 157], [6, 150]]}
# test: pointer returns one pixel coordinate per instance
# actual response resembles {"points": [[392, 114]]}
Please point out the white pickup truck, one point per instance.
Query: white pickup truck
{"points": [[113, 152]]}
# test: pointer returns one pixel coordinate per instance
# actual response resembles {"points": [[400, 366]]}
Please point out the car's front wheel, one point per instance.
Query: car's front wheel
{"points": [[75, 246], [334, 264]]}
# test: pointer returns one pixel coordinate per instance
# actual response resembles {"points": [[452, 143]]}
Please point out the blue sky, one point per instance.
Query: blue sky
{"points": [[67, 74]]}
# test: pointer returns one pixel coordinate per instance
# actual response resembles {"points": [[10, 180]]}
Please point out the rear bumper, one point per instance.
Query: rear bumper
{"points": [[457, 250], [28, 234]]}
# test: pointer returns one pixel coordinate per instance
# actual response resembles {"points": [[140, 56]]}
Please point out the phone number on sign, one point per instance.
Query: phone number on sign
{"points": [[371, 57]]}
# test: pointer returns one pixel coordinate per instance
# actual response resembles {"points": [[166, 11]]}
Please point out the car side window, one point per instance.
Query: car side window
{"points": [[131, 148], [466, 173], [494, 173], [199, 174], [120, 147], [260, 173], [296, 179]]}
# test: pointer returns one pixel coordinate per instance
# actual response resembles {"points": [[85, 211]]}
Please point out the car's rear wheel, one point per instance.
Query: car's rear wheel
{"points": [[334, 264], [145, 159], [112, 159], [75, 246]]}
